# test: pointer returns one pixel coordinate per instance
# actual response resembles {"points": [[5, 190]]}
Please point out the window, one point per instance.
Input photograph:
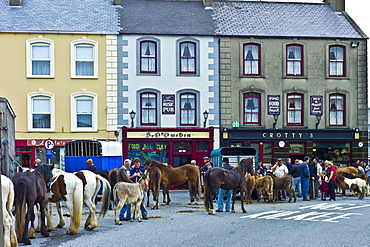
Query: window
{"points": [[148, 106], [84, 112], [148, 57], [187, 58], [294, 60], [337, 61], [336, 110], [251, 59], [40, 58], [252, 108], [188, 109], [41, 112], [84, 59], [295, 109]]}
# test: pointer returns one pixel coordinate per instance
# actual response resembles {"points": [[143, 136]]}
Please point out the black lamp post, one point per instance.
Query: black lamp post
{"points": [[276, 117], [132, 116], [205, 115], [318, 118]]}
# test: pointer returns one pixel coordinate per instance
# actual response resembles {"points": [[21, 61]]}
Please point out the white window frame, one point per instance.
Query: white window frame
{"points": [[30, 98], [29, 44], [88, 42], [74, 97]]}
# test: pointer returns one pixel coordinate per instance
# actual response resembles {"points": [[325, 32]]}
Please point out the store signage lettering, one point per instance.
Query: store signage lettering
{"points": [[316, 104], [172, 134], [133, 146], [273, 104], [168, 104], [287, 135], [167, 135], [148, 146], [162, 146]]}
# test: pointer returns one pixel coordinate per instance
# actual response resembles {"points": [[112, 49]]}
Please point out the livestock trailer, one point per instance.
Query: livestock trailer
{"points": [[106, 155], [235, 154]]}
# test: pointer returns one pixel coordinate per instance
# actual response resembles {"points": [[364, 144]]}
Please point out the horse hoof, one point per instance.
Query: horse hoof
{"points": [[233, 211], [139, 219], [244, 212], [27, 243], [71, 232], [131, 220], [59, 226], [118, 223], [189, 203], [46, 234]]}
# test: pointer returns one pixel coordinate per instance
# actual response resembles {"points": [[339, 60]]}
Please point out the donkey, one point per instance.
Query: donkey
{"points": [[264, 185], [284, 183]]}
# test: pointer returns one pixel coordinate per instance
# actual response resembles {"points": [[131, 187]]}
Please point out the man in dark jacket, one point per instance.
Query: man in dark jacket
{"points": [[91, 166], [314, 179], [122, 176], [304, 173], [294, 172], [222, 193]]}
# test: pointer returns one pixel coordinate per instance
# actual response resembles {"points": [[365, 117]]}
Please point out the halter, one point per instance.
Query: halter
{"points": [[151, 163]]}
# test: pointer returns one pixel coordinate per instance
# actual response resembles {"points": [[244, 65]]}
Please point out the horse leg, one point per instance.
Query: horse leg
{"points": [[211, 196], [148, 196], [25, 237], [133, 210], [241, 201], [91, 221], [155, 198], [31, 233], [49, 218], [44, 232], [62, 221], [117, 210], [168, 194], [137, 210]]}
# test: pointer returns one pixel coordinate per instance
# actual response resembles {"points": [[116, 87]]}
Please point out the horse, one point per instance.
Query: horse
{"points": [[349, 169], [31, 188], [177, 176], [248, 188], [129, 193], [352, 176], [7, 191], [155, 180], [284, 183], [351, 184], [91, 186], [65, 187], [228, 180], [265, 186]]}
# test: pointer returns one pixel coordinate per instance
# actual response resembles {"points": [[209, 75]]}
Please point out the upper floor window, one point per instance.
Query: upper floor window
{"points": [[148, 108], [84, 59], [295, 109], [336, 110], [84, 112], [252, 109], [294, 60], [40, 58], [337, 61], [41, 112], [187, 58], [188, 109], [252, 59], [148, 57]]}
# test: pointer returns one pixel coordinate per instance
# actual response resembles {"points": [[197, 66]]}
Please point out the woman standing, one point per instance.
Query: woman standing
{"points": [[332, 178]]}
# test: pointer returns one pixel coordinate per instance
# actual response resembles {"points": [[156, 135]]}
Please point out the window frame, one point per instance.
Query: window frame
{"points": [[259, 59], [195, 109], [156, 109], [344, 74], [336, 110], [41, 95], [301, 109], [84, 42], [196, 55], [294, 60], [155, 57], [258, 96], [29, 45], [88, 95]]}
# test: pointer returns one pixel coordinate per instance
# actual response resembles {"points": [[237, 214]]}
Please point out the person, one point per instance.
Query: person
{"points": [[135, 177], [332, 179], [288, 164], [91, 166], [324, 187], [314, 178], [36, 163], [222, 193], [280, 170], [356, 164], [261, 169], [367, 172], [304, 173], [360, 168], [294, 172], [193, 162], [123, 176]]}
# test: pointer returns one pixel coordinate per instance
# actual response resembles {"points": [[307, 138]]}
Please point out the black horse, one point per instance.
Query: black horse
{"points": [[31, 189], [228, 180]]}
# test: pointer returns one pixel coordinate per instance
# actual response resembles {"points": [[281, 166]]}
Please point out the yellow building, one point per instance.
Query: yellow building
{"points": [[57, 66]]}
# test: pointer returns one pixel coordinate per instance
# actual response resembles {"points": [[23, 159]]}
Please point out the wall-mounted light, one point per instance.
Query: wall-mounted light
{"points": [[357, 133], [205, 116], [318, 118], [355, 43], [276, 117], [132, 116]]}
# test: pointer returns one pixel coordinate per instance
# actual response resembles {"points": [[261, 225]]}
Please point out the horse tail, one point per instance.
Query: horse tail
{"points": [[199, 188], [20, 210], [105, 195], [116, 196], [77, 204], [206, 192], [10, 200]]}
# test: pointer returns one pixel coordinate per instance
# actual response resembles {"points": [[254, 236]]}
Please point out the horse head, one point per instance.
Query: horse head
{"points": [[144, 179], [46, 173], [247, 166], [148, 163]]}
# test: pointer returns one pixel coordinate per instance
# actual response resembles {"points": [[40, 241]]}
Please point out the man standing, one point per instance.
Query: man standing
{"points": [[296, 177], [36, 163], [288, 164], [314, 182], [135, 177], [367, 172], [222, 193], [261, 169], [91, 166], [280, 170], [122, 176], [304, 173]]}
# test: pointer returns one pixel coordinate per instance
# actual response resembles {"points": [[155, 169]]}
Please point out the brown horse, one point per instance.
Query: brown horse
{"points": [[30, 189], [349, 169], [155, 180], [177, 176], [248, 188], [228, 180]]}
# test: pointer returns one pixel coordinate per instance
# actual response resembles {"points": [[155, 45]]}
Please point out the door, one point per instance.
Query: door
{"points": [[180, 160]]}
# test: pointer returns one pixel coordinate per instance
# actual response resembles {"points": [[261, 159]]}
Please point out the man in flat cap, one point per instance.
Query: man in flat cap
{"points": [[224, 193]]}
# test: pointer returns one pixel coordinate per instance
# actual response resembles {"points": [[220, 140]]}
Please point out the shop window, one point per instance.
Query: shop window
{"points": [[295, 110], [202, 146], [337, 110], [252, 109], [182, 147], [148, 109], [338, 153], [148, 150]]}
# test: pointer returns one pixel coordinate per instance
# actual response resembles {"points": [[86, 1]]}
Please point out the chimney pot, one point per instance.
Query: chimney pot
{"points": [[338, 5], [15, 2], [117, 2]]}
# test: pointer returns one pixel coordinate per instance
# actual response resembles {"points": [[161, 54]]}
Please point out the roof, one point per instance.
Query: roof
{"points": [[169, 17], [61, 16], [283, 19]]}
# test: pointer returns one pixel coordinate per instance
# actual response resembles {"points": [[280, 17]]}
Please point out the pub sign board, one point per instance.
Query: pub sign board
{"points": [[273, 102], [316, 104], [168, 104]]}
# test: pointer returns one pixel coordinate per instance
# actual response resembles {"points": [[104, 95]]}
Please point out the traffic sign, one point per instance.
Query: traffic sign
{"points": [[49, 144], [49, 154]]}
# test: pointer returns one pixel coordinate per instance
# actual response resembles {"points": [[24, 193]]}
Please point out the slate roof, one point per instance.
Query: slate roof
{"points": [[282, 19], [68, 16], [169, 17]]}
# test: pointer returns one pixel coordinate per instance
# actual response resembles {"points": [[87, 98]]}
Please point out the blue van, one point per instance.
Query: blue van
{"points": [[235, 154]]}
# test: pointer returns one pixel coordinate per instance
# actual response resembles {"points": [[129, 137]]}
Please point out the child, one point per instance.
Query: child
{"points": [[324, 187]]}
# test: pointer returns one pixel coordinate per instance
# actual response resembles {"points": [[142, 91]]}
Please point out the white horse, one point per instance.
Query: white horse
{"points": [[65, 187], [7, 190], [91, 182]]}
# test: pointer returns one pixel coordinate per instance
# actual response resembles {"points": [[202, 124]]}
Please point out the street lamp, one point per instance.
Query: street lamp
{"points": [[205, 115], [132, 116], [276, 117], [318, 118]]}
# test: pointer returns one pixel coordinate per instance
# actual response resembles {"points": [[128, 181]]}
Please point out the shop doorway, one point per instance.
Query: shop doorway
{"points": [[180, 160]]}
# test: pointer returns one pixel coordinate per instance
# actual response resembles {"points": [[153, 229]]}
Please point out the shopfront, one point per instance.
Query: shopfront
{"points": [[339, 146], [173, 146]]}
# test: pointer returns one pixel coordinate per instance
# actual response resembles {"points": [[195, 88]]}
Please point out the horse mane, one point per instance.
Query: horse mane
{"points": [[161, 164], [241, 167], [45, 170]]}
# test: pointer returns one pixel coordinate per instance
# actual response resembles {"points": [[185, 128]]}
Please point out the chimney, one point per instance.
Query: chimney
{"points": [[117, 2], [207, 4], [15, 2], [338, 5]]}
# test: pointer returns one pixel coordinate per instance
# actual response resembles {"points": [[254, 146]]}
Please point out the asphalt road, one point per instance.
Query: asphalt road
{"points": [[314, 223]]}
